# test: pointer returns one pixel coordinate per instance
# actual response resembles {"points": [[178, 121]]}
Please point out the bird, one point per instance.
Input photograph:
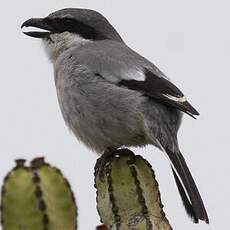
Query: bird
{"points": [[110, 96]]}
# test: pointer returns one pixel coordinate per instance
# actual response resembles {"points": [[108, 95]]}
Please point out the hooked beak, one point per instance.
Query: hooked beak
{"points": [[40, 23]]}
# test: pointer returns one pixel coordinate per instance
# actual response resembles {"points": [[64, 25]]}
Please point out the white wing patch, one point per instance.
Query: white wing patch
{"points": [[176, 99], [132, 74]]}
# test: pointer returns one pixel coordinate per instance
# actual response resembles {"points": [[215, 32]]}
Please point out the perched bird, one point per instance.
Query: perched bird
{"points": [[110, 96]]}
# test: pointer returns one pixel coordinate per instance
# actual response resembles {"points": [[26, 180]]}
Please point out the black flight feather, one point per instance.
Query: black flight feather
{"points": [[159, 88]]}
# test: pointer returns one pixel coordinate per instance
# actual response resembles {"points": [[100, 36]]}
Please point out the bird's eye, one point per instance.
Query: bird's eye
{"points": [[69, 21]]}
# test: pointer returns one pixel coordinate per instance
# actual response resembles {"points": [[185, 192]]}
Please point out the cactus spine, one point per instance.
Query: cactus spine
{"points": [[127, 193], [37, 197]]}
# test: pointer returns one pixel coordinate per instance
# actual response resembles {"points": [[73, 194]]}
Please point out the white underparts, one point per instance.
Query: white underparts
{"points": [[176, 99], [59, 42]]}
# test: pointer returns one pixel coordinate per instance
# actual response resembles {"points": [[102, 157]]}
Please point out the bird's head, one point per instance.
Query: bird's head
{"points": [[68, 27]]}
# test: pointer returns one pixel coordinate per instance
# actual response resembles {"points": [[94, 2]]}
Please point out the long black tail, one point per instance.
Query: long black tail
{"points": [[187, 188]]}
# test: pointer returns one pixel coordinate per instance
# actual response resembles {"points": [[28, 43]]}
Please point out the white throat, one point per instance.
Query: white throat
{"points": [[58, 43]]}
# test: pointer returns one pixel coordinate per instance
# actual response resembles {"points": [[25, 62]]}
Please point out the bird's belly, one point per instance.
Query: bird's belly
{"points": [[101, 137], [102, 121], [105, 132]]}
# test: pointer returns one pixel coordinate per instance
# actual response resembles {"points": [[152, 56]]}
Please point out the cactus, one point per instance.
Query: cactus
{"points": [[37, 198], [128, 197]]}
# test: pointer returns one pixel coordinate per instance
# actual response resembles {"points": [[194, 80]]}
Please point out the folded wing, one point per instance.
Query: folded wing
{"points": [[161, 90]]}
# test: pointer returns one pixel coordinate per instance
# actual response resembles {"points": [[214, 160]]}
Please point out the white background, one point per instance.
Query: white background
{"points": [[188, 40]]}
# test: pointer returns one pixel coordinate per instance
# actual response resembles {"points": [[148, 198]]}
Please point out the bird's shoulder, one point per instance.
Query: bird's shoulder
{"points": [[114, 60], [118, 64]]}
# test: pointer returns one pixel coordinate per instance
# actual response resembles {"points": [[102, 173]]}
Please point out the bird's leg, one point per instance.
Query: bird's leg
{"points": [[101, 162]]}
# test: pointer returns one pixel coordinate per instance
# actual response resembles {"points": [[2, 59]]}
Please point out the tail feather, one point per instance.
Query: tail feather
{"points": [[186, 202], [187, 188]]}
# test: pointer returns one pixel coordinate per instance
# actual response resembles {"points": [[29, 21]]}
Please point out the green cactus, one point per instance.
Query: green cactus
{"points": [[127, 193], [37, 198]]}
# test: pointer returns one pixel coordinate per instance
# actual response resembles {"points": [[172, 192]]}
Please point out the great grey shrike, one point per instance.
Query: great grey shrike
{"points": [[110, 96]]}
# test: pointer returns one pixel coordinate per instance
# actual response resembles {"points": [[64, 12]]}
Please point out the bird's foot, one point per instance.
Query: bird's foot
{"points": [[103, 162]]}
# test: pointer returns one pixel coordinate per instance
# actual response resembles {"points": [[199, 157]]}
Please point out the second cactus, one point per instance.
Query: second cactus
{"points": [[37, 198]]}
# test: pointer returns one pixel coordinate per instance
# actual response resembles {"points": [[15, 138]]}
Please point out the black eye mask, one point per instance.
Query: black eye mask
{"points": [[60, 25]]}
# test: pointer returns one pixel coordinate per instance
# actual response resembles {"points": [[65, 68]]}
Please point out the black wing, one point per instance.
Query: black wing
{"points": [[161, 90]]}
